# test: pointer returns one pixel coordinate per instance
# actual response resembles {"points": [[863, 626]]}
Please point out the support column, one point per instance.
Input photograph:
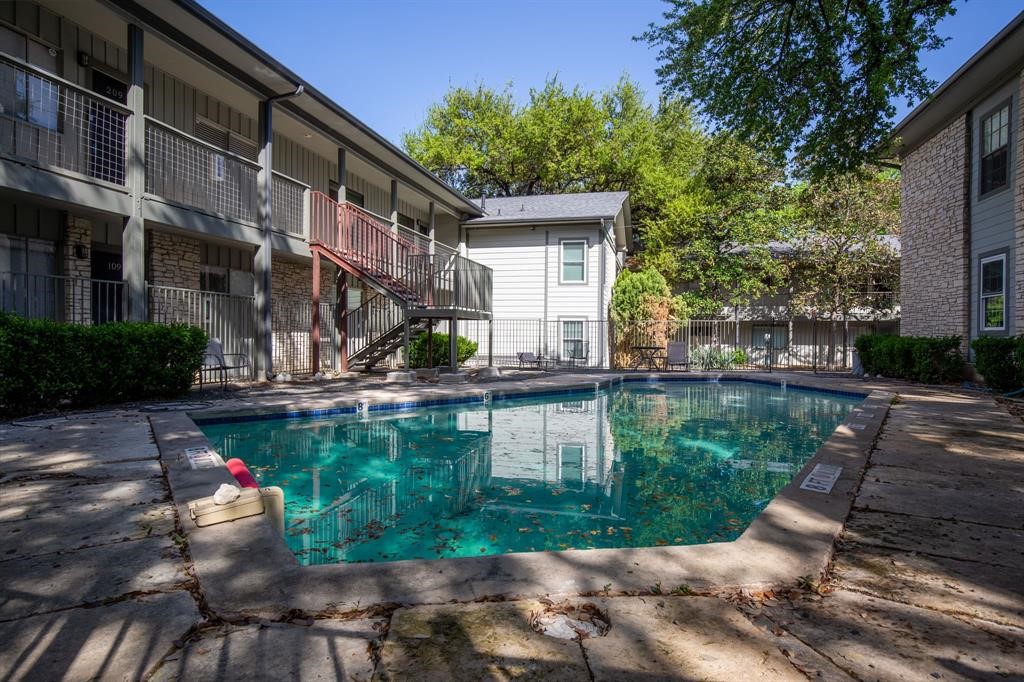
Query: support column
{"points": [[343, 318], [314, 333], [342, 175], [490, 342], [406, 338], [433, 225], [394, 206], [262, 262], [453, 344], [133, 238]]}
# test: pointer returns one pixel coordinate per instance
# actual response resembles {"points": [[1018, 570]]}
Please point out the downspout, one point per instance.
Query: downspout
{"points": [[265, 183]]}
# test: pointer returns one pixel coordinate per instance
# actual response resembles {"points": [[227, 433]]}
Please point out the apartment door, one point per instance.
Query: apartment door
{"points": [[106, 130], [106, 287]]}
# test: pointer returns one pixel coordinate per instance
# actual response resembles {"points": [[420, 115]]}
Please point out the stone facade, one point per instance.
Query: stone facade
{"points": [[77, 297], [1018, 212], [172, 260], [934, 213], [292, 294]]}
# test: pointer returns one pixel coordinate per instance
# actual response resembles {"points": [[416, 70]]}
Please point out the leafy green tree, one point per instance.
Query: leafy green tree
{"points": [[714, 243], [812, 78], [848, 247]]}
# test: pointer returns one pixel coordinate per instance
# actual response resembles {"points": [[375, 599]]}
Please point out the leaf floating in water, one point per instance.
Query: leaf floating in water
{"points": [[661, 543], [493, 538], [525, 530]]}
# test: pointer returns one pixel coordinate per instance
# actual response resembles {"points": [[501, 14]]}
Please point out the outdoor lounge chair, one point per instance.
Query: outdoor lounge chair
{"points": [[528, 358], [215, 360], [579, 354], [676, 355]]}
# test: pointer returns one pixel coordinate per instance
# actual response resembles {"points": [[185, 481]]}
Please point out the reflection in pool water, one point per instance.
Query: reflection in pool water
{"points": [[659, 464]]}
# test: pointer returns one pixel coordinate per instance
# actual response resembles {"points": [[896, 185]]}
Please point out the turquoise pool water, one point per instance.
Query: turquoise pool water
{"points": [[640, 465]]}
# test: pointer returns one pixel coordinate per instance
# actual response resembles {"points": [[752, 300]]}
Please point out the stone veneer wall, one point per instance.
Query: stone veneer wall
{"points": [[172, 260], [1018, 213], [77, 297], [934, 215], [292, 295]]}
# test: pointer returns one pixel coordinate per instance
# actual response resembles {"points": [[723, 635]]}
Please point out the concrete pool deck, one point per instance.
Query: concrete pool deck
{"points": [[926, 580]]}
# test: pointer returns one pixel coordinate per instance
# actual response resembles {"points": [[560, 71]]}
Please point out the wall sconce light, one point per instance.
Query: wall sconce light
{"points": [[80, 251], [83, 59]]}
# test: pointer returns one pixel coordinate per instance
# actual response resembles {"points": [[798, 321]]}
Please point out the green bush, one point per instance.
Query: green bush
{"points": [[1000, 360], [418, 350], [707, 358], [918, 358], [45, 365]]}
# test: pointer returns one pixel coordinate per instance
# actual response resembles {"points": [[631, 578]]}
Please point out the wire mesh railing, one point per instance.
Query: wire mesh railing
{"points": [[188, 171], [49, 121]]}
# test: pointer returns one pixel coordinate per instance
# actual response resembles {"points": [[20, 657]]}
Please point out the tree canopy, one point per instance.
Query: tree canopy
{"points": [[811, 79]]}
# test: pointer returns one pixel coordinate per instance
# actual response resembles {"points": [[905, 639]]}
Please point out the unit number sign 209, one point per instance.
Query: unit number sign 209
{"points": [[822, 478]]}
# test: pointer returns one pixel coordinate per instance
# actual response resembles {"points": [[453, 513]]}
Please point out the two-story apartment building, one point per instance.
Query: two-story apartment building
{"points": [[154, 164], [962, 205], [554, 259]]}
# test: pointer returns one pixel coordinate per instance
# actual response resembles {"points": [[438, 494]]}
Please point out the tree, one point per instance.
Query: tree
{"points": [[714, 243], [846, 258], [561, 140], [847, 251], [815, 79]]}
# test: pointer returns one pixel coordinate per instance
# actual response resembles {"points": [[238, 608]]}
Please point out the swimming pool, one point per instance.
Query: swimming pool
{"points": [[637, 465]]}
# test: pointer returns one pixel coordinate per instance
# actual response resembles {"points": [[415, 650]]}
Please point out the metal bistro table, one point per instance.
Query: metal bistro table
{"points": [[646, 354]]}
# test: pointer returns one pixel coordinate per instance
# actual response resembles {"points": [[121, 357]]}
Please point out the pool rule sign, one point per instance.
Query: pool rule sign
{"points": [[822, 478]]}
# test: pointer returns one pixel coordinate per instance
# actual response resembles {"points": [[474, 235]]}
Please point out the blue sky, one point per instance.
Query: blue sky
{"points": [[387, 61]]}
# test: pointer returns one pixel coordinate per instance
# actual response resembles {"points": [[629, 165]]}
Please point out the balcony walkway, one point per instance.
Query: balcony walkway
{"points": [[926, 585]]}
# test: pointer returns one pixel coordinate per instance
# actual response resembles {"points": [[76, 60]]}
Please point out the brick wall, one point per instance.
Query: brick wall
{"points": [[934, 221], [1017, 287]]}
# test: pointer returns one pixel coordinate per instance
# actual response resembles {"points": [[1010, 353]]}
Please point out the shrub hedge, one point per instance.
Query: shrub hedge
{"points": [[45, 365], [918, 358], [418, 350], [1000, 360]]}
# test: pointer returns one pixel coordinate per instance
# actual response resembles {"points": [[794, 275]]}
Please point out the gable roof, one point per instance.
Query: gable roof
{"points": [[585, 206]]}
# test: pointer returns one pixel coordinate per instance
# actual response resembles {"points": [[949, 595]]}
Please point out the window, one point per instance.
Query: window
{"points": [[995, 146], [354, 197], [570, 464], [24, 95], [993, 299], [573, 345], [574, 262], [214, 279], [406, 221], [778, 333]]}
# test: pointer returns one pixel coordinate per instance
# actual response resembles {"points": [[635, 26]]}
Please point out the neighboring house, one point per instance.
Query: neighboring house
{"points": [[154, 164], [800, 337], [962, 208], [554, 259]]}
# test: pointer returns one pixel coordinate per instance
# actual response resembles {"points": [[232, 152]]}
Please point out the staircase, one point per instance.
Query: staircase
{"points": [[414, 285]]}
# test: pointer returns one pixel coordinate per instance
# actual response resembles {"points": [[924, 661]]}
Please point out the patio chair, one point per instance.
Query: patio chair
{"points": [[676, 355], [215, 360], [578, 353], [528, 358]]}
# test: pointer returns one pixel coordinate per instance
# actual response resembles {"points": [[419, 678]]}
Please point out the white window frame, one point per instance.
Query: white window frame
{"points": [[582, 447], [561, 261], [982, 296], [562, 338]]}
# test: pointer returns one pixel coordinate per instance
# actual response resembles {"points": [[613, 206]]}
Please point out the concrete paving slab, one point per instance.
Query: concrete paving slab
{"points": [[989, 465], [26, 500], [953, 539], [948, 585], [88, 576], [946, 482], [58, 532], [79, 443], [922, 500], [683, 638], [877, 639], [71, 472], [467, 642], [122, 641], [323, 650]]}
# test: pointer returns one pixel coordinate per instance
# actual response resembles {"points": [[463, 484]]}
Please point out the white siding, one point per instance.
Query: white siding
{"points": [[516, 255]]}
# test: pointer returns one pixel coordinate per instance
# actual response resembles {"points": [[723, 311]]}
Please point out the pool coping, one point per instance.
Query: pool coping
{"points": [[245, 569]]}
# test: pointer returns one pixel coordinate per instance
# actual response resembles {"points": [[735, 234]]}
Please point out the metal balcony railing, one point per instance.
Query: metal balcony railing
{"points": [[188, 171], [48, 121]]}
